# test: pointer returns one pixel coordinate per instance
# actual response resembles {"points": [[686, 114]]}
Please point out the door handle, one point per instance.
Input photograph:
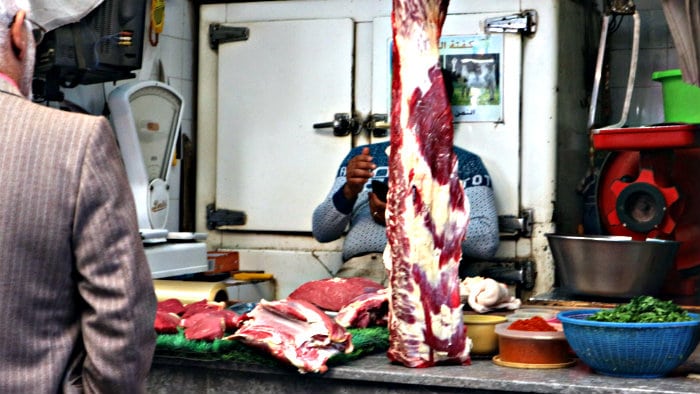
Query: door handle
{"points": [[342, 125]]}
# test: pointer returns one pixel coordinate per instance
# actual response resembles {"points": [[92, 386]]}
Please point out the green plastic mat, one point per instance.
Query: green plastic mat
{"points": [[364, 340]]}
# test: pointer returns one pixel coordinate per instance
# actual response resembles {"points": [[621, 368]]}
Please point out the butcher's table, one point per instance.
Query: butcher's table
{"points": [[375, 374]]}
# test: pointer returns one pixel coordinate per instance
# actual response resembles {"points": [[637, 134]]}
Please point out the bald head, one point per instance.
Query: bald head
{"points": [[17, 50]]}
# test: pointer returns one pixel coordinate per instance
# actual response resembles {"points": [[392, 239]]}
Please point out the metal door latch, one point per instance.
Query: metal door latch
{"points": [[525, 23], [510, 226], [342, 125], [377, 125]]}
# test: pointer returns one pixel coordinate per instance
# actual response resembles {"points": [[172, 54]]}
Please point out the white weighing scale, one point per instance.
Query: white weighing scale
{"points": [[146, 116]]}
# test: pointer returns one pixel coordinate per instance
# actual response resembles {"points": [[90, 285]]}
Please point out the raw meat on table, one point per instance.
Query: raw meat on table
{"points": [[166, 322], [202, 306], [210, 325], [369, 309], [171, 305], [294, 331], [427, 210], [201, 320], [334, 293]]}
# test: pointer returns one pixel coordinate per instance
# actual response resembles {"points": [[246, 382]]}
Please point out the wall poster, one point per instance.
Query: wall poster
{"points": [[473, 65]]}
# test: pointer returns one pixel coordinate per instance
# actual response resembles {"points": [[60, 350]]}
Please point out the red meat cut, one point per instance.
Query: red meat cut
{"points": [[294, 331], [171, 305], [334, 293], [369, 309], [204, 326], [210, 325], [202, 306], [427, 210], [166, 322]]}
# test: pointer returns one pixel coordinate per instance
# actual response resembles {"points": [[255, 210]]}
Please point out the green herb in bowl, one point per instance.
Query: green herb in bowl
{"points": [[643, 309]]}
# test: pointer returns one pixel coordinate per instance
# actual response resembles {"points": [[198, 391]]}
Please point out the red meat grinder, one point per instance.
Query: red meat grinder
{"points": [[649, 187]]}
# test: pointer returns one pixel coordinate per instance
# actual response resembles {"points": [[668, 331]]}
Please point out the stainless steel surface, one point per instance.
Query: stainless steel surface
{"points": [[611, 266]]}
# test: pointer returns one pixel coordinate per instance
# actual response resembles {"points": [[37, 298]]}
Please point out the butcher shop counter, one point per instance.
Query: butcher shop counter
{"points": [[375, 374]]}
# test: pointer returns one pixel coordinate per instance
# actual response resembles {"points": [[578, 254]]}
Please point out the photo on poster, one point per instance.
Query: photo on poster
{"points": [[472, 69], [473, 66]]}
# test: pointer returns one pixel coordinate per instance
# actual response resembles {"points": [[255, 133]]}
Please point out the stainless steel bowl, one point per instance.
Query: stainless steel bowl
{"points": [[611, 266]]}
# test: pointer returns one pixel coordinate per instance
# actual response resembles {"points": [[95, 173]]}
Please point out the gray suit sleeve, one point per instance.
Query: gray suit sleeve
{"points": [[115, 280]]}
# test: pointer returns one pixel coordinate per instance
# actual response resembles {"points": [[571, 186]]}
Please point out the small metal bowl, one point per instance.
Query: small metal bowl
{"points": [[611, 266]]}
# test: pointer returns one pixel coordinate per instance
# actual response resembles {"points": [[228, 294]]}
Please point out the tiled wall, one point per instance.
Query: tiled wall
{"points": [[656, 53], [175, 52]]}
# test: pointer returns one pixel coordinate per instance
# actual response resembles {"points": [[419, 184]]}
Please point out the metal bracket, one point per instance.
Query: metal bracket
{"points": [[520, 273], [514, 227], [220, 34], [223, 217], [524, 23]]}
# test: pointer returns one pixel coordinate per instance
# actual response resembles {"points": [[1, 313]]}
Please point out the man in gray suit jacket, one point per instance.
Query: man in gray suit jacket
{"points": [[76, 297]]}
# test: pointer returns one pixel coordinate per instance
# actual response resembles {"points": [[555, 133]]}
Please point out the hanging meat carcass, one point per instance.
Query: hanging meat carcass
{"points": [[427, 210]]}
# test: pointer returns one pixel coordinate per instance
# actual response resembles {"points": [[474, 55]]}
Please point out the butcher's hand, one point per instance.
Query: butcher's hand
{"points": [[358, 172], [377, 208]]}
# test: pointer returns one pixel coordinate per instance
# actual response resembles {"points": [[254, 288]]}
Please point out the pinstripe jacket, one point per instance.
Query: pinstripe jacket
{"points": [[76, 297]]}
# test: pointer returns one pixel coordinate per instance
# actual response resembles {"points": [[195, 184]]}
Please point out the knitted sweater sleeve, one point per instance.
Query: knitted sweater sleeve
{"points": [[332, 216], [328, 221], [482, 238]]}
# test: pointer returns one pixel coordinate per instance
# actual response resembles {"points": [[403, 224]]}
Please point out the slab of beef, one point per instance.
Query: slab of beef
{"points": [[171, 305], [166, 322], [334, 293], [202, 306], [427, 210], [369, 309], [210, 325], [294, 331]]}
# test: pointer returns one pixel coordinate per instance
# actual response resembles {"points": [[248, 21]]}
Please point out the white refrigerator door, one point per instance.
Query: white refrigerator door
{"points": [[272, 89]]}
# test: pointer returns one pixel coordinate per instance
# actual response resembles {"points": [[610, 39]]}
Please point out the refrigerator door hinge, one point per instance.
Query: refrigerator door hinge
{"points": [[524, 23], [511, 226], [217, 218], [219, 34]]}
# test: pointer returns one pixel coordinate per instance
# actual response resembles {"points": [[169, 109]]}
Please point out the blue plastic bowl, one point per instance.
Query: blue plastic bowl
{"points": [[636, 350]]}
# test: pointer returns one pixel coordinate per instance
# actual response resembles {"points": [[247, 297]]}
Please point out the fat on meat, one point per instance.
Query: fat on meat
{"points": [[166, 322], [171, 305], [202, 306], [209, 325], [369, 309], [294, 331], [485, 294], [427, 210], [334, 293]]}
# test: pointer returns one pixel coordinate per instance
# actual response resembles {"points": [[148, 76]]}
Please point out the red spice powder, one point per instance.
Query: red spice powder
{"points": [[535, 323]]}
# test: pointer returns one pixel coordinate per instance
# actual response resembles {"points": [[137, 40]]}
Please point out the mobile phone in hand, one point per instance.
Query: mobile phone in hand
{"points": [[380, 189]]}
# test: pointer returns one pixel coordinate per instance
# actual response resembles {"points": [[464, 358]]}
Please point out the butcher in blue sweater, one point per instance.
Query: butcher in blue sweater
{"points": [[353, 206]]}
